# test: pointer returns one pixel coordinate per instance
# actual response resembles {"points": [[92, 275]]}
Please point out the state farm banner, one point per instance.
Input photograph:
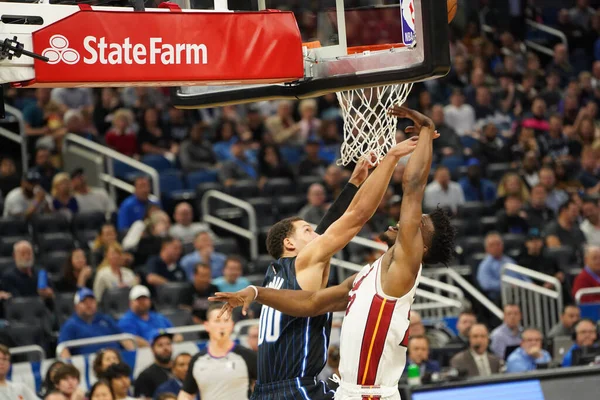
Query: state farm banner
{"points": [[171, 48]]}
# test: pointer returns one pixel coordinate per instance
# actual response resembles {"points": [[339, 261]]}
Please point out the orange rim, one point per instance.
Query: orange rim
{"points": [[374, 47]]}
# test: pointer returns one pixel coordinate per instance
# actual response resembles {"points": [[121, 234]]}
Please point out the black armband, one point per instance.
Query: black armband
{"points": [[338, 208]]}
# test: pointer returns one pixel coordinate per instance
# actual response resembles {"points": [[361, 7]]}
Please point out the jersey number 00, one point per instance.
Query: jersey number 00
{"points": [[269, 326]]}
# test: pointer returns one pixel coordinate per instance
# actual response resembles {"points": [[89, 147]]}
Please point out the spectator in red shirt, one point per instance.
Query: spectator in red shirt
{"points": [[589, 277], [121, 136]]}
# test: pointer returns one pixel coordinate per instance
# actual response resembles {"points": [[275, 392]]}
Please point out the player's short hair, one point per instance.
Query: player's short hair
{"points": [[278, 233], [441, 249]]}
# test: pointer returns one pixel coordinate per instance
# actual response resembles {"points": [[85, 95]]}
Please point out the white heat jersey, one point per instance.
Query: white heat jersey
{"points": [[374, 336]]}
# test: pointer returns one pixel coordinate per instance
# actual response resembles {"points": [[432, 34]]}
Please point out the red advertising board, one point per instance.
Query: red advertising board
{"points": [[97, 48]]}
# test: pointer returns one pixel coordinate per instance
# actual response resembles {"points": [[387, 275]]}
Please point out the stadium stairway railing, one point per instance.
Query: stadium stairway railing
{"points": [[107, 163], [538, 36], [540, 306], [13, 114], [250, 233]]}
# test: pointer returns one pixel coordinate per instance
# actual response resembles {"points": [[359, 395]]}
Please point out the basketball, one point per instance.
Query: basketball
{"points": [[452, 7]]}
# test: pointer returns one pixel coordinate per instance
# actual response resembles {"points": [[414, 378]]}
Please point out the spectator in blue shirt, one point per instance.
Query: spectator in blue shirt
{"points": [[530, 354], [474, 187], [490, 268], [142, 322], [586, 335], [87, 323], [204, 253], [133, 208], [232, 279], [165, 267], [508, 335], [179, 371]]}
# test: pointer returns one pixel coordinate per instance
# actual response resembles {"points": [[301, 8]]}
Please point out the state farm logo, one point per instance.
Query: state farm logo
{"points": [[59, 51], [101, 51]]}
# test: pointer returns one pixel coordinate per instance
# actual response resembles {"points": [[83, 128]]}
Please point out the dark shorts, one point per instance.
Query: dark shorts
{"points": [[296, 389]]}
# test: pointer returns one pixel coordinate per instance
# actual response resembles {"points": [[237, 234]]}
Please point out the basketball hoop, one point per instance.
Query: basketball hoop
{"points": [[368, 128]]}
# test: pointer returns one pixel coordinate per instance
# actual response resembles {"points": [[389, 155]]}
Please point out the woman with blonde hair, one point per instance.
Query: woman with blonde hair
{"points": [[111, 273], [511, 184], [62, 194]]}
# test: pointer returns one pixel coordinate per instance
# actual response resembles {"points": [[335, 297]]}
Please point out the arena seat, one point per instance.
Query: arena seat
{"points": [[178, 317], [6, 263], [7, 243], [243, 189], [496, 171], [52, 242], [170, 181], [488, 224], [304, 183], [291, 154], [13, 226], [28, 310], [158, 162], [278, 186], [167, 295], [195, 178], [25, 334], [513, 241], [260, 265], [115, 301], [289, 205], [54, 261], [64, 306], [471, 209], [49, 223], [466, 227], [471, 244], [264, 210], [227, 246], [561, 254], [121, 170], [88, 221]]}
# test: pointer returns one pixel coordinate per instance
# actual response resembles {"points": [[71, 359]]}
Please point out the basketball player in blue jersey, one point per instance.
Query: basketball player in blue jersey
{"points": [[416, 239], [293, 351]]}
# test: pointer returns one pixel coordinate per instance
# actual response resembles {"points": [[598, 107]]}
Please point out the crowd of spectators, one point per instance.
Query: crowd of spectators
{"points": [[517, 164]]}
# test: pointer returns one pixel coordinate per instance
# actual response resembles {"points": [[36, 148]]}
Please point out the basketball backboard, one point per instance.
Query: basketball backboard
{"points": [[347, 44]]}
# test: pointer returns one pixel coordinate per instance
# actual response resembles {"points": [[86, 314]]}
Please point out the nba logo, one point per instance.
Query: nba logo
{"points": [[407, 11]]}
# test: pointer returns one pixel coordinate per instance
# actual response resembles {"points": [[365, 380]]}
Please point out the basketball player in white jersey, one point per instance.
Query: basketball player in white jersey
{"points": [[378, 299]]}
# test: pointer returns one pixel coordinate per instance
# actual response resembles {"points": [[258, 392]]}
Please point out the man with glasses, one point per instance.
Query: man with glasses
{"points": [[586, 335], [530, 354], [11, 390]]}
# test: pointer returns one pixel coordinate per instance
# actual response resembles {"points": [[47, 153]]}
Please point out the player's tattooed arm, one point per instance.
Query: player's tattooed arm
{"points": [[297, 303]]}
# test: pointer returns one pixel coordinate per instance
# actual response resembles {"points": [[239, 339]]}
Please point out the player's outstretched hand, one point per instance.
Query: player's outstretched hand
{"points": [[361, 171], [405, 147], [242, 298], [419, 119]]}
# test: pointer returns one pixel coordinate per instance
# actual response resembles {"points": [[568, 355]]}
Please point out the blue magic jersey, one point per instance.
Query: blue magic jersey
{"points": [[289, 347]]}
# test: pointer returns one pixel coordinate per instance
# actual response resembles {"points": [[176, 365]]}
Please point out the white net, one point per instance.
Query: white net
{"points": [[368, 128]]}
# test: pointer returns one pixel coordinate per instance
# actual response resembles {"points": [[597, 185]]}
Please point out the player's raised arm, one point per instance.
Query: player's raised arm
{"points": [[315, 257], [411, 242], [297, 303]]}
